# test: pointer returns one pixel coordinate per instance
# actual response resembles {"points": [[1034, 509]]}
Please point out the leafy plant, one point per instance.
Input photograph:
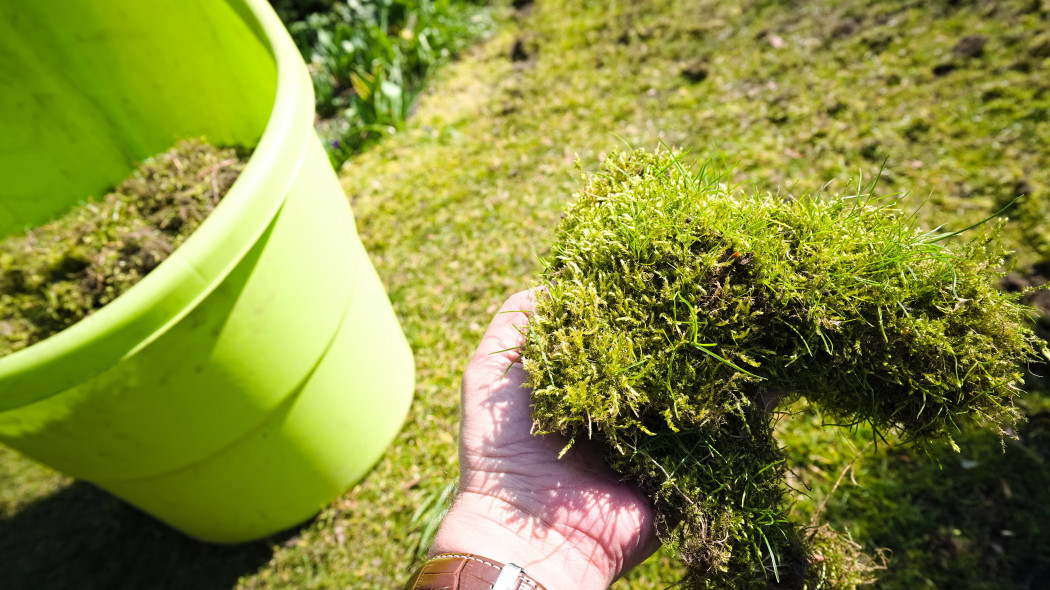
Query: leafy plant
{"points": [[677, 306], [369, 59]]}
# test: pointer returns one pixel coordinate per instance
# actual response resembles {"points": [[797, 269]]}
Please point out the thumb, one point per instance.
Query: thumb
{"points": [[506, 332], [494, 374]]}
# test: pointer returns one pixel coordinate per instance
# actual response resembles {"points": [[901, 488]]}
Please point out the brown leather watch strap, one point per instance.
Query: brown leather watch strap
{"points": [[466, 571]]}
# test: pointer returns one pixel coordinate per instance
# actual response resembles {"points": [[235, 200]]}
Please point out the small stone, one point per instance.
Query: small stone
{"points": [[695, 72], [970, 47], [519, 52], [944, 69], [844, 29]]}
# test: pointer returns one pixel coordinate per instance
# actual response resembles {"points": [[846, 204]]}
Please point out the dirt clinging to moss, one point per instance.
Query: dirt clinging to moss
{"points": [[676, 305], [54, 275]]}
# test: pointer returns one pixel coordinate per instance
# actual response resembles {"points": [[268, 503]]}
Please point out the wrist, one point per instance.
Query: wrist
{"points": [[558, 557]]}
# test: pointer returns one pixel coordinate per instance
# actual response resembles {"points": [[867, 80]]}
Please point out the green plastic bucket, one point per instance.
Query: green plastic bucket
{"points": [[259, 371]]}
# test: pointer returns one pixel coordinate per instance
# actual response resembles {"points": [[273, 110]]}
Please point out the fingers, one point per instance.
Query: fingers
{"points": [[506, 330], [495, 372]]}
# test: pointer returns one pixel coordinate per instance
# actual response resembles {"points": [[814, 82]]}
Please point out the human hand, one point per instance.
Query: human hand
{"points": [[569, 522]]}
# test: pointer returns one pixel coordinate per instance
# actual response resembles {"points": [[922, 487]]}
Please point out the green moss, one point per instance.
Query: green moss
{"points": [[53, 276], [676, 304]]}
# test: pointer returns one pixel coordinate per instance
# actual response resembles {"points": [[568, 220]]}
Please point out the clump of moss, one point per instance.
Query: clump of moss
{"points": [[675, 305], [55, 275]]}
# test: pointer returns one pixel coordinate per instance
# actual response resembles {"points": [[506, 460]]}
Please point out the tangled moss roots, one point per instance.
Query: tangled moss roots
{"points": [[53, 276], [675, 304]]}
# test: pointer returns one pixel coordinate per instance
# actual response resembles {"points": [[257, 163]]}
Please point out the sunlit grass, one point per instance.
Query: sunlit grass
{"points": [[456, 209]]}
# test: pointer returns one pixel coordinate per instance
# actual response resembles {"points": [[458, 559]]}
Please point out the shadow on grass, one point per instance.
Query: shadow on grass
{"points": [[977, 519], [85, 539]]}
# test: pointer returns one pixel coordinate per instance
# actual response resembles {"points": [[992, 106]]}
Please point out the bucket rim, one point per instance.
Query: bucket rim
{"points": [[173, 289]]}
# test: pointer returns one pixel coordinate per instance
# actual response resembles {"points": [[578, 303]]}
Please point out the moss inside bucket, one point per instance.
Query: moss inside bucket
{"points": [[677, 308], [54, 275]]}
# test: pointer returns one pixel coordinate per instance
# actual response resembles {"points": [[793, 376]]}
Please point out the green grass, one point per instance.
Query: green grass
{"points": [[456, 209]]}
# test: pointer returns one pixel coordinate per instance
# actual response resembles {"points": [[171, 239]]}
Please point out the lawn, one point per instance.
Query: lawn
{"points": [[950, 100]]}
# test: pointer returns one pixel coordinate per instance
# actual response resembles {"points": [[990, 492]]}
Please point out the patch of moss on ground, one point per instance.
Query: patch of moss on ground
{"points": [[54, 275], [675, 304]]}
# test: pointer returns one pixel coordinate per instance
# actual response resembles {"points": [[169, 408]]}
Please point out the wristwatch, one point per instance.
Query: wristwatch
{"points": [[466, 571]]}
